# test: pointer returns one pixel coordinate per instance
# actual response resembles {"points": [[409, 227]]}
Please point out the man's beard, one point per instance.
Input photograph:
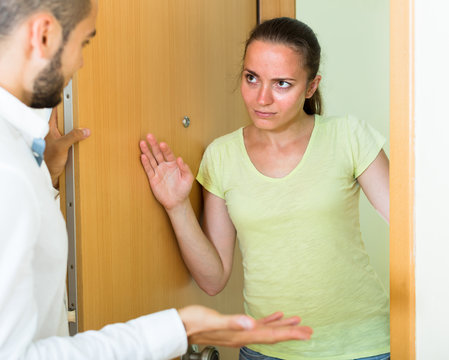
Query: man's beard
{"points": [[49, 84]]}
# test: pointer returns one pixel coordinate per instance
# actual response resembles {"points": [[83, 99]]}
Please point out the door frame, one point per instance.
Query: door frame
{"points": [[402, 181]]}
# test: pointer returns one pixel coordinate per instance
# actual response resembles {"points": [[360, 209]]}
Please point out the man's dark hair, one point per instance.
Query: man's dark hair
{"points": [[68, 12]]}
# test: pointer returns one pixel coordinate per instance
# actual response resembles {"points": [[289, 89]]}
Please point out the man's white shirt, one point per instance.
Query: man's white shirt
{"points": [[33, 260]]}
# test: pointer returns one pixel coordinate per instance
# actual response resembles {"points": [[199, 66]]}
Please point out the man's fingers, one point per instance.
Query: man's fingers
{"points": [[207, 326], [231, 322], [293, 332], [240, 322], [273, 335], [53, 118], [263, 335], [53, 124], [197, 318], [270, 318], [73, 137], [228, 322], [294, 320]]}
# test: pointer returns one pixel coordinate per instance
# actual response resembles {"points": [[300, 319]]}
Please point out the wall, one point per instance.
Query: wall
{"points": [[354, 38], [432, 185]]}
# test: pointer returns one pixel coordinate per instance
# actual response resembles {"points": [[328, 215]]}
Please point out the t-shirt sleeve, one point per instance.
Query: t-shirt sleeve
{"points": [[366, 143], [209, 174]]}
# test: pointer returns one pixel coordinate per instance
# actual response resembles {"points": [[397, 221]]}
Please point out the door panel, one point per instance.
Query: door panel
{"points": [[269, 9], [151, 64]]}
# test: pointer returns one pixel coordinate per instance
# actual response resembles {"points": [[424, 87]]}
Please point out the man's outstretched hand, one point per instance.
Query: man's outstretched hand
{"points": [[57, 147], [207, 326]]}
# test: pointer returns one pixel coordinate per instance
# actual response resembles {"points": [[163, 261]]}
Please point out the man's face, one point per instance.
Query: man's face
{"points": [[50, 82]]}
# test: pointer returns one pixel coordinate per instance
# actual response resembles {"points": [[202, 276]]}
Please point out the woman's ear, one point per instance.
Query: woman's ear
{"points": [[313, 85], [45, 35]]}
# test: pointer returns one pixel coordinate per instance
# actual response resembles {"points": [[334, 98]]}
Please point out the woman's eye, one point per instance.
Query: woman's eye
{"points": [[251, 78], [284, 84]]}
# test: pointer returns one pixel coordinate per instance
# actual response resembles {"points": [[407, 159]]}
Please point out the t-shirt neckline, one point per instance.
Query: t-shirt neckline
{"points": [[296, 168]]}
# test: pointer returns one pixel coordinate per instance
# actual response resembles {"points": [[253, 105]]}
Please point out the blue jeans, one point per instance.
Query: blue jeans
{"points": [[248, 354]]}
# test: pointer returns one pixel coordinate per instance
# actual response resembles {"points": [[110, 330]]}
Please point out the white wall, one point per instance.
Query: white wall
{"points": [[432, 179], [354, 38]]}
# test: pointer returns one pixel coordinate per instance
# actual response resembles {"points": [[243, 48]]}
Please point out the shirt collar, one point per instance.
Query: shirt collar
{"points": [[27, 121]]}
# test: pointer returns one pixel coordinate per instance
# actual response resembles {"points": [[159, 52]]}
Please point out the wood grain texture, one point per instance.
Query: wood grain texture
{"points": [[151, 64], [402, 180], [269, 9]]}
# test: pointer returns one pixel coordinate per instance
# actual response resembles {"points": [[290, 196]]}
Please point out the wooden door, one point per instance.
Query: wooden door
{"points": [[269, 9], [151, 64]]}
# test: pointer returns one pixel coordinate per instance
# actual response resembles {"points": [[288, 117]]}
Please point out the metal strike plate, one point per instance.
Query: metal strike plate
{"points": [[70, 214]]}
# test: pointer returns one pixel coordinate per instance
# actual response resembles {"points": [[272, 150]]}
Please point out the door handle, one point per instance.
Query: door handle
{"points": [[208, 353]]}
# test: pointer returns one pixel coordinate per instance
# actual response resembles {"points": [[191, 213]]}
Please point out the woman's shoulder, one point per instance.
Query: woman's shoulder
{"points": [[341, 123], [229, 140], [336, 120], [223, 149], [351, 131]]}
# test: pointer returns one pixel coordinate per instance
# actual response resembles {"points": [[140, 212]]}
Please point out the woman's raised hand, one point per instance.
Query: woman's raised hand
{"points": [[170, 178]]}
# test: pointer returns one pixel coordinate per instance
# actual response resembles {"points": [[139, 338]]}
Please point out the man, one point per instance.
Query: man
{"points": [[41, 45]]}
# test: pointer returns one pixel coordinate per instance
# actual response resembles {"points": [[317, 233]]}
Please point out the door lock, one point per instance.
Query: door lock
{"points": [[208, 353]]}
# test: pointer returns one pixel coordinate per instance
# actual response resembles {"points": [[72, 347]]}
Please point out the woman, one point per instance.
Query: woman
{"points": [[287, 186]]}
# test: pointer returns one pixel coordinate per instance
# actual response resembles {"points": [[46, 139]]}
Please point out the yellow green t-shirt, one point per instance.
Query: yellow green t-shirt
{"points": [[300, 239]]}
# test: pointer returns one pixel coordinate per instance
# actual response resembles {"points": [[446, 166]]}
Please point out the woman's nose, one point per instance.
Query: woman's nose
{"points": [[265, 97]]}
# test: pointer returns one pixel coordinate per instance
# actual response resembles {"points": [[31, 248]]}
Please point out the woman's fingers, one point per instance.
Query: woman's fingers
{"points": [[149, 156], [160, 152], [147, 166], [155, 149], [166, 152], [184, 168]]}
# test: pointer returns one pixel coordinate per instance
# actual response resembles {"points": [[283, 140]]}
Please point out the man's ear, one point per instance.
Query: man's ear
{"points": [[45, 35], [313, 85]]}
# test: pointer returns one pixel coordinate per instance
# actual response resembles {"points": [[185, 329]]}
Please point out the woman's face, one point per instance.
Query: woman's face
{"points": [[274, 85]]}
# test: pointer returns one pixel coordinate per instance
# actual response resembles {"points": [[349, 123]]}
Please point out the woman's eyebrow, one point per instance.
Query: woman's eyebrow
{"points": [[251, 72], [286, 78]]}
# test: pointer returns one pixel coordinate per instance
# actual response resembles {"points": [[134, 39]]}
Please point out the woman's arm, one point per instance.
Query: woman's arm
{"points": [[375, 184], [209, 254]]}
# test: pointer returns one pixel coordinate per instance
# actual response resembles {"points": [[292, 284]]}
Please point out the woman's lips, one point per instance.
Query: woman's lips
{"points": [[264, 114]]}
